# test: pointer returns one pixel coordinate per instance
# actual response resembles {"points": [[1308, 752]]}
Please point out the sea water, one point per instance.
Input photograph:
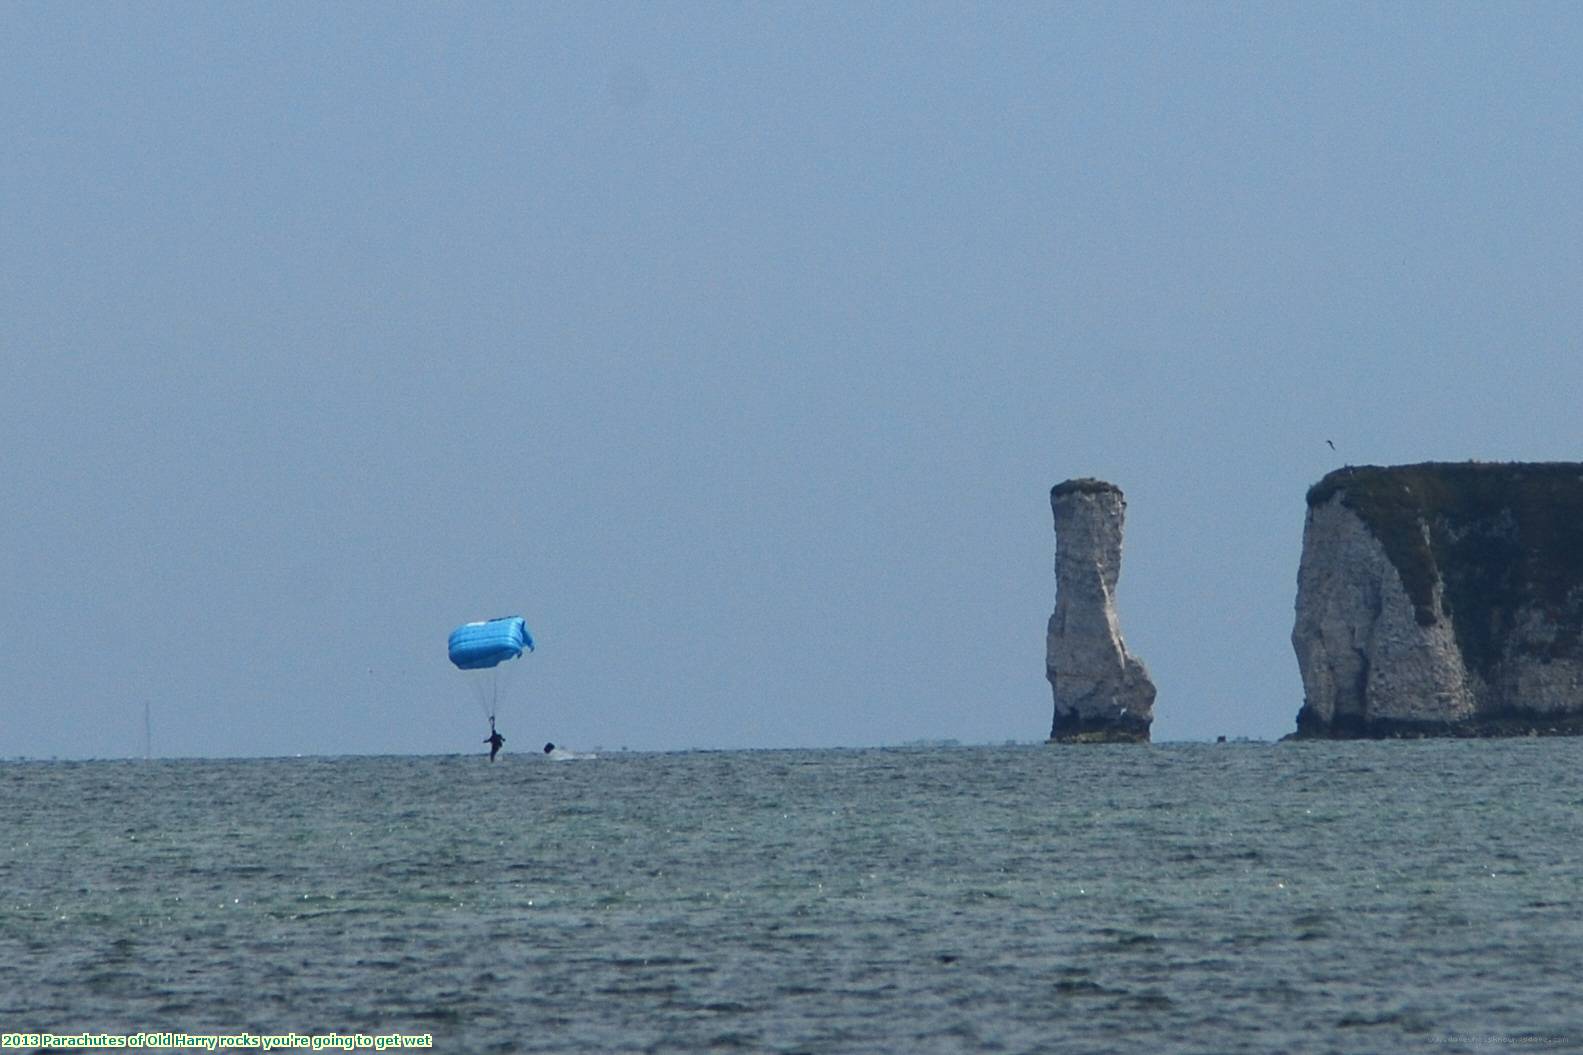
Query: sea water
{"points": [[1295, 897]]}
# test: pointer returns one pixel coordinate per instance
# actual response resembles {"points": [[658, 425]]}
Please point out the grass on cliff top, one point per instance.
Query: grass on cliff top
{"points": [[1086, 485], [1502, 535]]}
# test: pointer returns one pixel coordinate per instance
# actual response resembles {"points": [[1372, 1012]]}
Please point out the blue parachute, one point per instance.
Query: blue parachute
{"points": [[483, 651], [476, 646]]}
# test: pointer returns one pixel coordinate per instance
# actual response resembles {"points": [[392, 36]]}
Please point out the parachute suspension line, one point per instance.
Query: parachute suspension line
{"points": [[482, 685], [490, 688]]}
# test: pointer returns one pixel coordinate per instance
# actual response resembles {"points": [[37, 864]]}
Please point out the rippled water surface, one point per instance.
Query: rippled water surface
{"points": [[1360, 897]]}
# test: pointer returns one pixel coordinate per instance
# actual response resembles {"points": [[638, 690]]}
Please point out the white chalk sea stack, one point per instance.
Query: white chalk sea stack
{"points": [[1442, 599], [1102, 693]]}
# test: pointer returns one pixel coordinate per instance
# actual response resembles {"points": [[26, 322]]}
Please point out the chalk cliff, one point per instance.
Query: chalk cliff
{"points": [[1102, 694], [1442, 600]]}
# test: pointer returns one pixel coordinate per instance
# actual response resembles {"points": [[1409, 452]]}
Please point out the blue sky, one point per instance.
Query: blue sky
{"points": [[737, 348]]}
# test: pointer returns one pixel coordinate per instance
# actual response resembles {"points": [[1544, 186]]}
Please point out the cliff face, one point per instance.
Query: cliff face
{"points": [[1442, 599], [1102, 694]]}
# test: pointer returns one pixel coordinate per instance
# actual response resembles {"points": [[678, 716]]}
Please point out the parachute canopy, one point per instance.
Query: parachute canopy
{"points": [[475, 646]]}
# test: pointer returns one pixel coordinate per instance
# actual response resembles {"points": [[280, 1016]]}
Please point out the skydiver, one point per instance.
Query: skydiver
{"points": [[494, 739]]}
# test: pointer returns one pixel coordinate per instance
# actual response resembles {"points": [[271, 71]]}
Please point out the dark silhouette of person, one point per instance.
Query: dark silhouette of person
{"points": [[494, 740], [548, 748]]}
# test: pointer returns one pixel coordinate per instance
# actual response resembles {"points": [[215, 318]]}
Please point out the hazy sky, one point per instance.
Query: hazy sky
{"points": [[737, 348]]}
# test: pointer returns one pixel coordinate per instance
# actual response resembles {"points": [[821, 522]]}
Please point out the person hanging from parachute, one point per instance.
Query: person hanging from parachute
{"points": [[480, 649]]}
